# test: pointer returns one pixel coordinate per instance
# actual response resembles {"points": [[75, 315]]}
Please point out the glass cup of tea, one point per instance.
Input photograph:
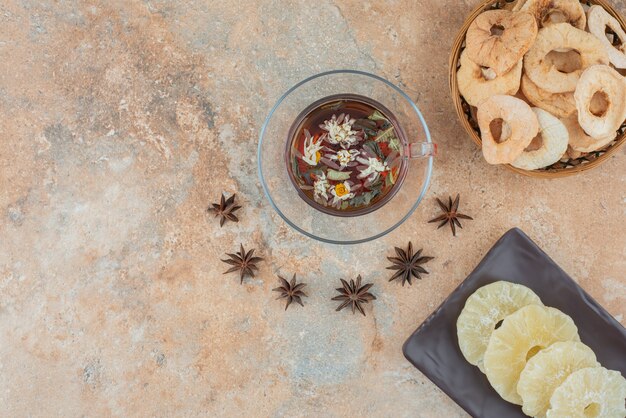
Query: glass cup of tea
{"points": [[345, 157]]}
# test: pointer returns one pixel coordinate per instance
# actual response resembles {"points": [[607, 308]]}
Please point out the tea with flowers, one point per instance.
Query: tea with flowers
{"points": [[345, 155]]}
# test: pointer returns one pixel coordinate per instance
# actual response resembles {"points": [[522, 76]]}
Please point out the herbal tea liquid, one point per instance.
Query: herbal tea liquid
{"points": [[345, 156]]}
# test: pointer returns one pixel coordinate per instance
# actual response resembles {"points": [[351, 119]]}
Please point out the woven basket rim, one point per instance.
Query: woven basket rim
{"points": [[458, 104]]}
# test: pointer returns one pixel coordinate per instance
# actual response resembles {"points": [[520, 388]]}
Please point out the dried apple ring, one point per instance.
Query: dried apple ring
{"points": [[571, 152], [560, 36], [559, 104], [498, 39], [552, 143], [604, 85], [565, 61], [507, 126], [579, 141], [599, 20], [518, 5], [476, 87], [550, 12]]}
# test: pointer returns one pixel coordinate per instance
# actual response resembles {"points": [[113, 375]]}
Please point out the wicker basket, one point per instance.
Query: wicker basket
{"points": [[464, 111]]}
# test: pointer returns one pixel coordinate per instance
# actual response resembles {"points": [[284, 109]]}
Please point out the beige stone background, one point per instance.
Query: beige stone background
{"points": [[120, 121]]}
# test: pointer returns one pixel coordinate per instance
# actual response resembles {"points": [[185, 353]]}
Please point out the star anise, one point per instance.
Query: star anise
{"points": [[290, 291], [242, 261], [407, 264], [450, 214], [225, 209], [354, 294]]}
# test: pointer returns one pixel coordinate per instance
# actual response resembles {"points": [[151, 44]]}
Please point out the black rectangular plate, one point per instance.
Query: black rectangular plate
{"points": [[434, 350]]}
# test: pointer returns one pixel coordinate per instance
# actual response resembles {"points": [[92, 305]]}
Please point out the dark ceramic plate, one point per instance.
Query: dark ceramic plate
{"points": [[434, 350]]}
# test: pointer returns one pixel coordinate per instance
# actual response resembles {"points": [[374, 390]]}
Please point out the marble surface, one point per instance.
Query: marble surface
{"points": [[121, 121]]}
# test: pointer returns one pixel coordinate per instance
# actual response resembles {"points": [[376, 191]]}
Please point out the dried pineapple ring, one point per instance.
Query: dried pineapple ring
{"points": [[554, 139], [590, 392], [498, 39], [516, 115], [579, 141], [601, 81], [556, 37], [521, 336], [476, 88], [484, 310], [547, 370], [550, 12], [559, 104], [599, 19]]}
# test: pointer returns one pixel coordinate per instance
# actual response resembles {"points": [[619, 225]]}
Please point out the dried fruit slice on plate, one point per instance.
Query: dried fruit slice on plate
{"points": [[590, 392], [484, 310], [522, 335], [547, 370]]}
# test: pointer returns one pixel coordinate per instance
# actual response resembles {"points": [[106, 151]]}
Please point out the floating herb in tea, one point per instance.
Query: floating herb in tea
{"points": [[346, 155]]}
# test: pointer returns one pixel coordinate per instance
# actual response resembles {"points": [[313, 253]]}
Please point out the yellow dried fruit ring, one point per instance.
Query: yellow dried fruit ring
{"points": [[476, 87], [552, 143], [484, 311], [550, 12], [562, 36], [599, 21], [606, 86], [590, 392], [547, 370], [498, 39], [507, 126], [522, 335]]}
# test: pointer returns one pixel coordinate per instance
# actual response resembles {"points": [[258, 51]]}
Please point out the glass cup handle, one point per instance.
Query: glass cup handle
{"points": [[422, 149]]}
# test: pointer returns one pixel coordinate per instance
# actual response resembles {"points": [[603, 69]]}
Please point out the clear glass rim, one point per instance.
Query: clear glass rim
{"points": [[260, 161]]}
